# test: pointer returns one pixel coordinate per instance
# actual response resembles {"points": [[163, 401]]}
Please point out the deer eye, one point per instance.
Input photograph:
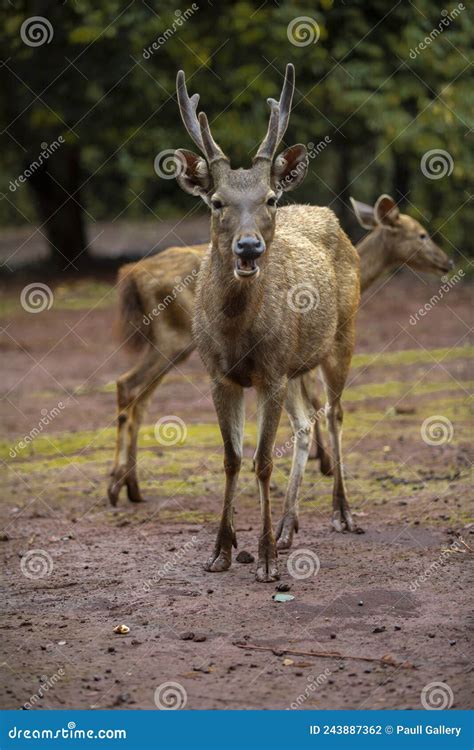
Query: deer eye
{"points": [[272, 201], [216, 204], [423, 235]]}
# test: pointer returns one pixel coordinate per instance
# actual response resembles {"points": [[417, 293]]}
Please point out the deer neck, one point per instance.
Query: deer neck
{"points": [[235, 299], [376, 257]]}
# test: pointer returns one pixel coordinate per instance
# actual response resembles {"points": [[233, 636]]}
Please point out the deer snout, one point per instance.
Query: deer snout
{"points": [[249, 248]]}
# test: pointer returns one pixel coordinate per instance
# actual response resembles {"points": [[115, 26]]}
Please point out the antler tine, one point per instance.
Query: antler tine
{"points": [[187, 107], [268, 146], [282, 109], [197, 127], [211, 149], [286, 98]]}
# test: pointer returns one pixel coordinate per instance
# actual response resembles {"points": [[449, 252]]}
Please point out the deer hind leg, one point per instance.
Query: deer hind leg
{"points": [[229, 404], [133, 392], [298, 409], [269, 404], [335, 369], [321, 453]]}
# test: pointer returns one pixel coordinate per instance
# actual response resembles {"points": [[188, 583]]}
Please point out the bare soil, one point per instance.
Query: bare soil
{"points": [[401, 589]]}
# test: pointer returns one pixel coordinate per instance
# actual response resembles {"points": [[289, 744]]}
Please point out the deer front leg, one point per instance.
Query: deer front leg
{"points": [[229, 404], [298, 410], [270, 403]]}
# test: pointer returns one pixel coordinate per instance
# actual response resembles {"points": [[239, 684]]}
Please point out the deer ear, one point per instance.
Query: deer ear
{"points": [[386, 210], [290, 167], [192, 173], [364, 213]]}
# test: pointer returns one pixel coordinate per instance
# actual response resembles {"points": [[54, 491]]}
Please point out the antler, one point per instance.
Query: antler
{"points": [[198, 128], [279, 117]]}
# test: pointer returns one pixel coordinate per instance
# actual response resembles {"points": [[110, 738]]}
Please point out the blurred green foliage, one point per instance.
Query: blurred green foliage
{"points": [[364, 83]]}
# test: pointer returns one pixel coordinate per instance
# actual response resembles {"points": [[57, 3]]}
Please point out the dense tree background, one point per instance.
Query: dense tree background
{"points": [[358, 85]]}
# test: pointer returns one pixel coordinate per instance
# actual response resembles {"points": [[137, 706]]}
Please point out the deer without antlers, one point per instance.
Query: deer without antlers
{"points": [[246, 329], [157, 303]]}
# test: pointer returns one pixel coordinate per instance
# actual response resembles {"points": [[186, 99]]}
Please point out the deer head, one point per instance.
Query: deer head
{"points": [[242, 201], [404, 238]]}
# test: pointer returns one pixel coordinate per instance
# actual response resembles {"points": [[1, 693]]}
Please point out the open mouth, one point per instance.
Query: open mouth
{"points": [[245, 268]]}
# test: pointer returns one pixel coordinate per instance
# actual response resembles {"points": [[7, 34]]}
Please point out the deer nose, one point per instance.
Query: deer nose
{"points": [[249, 248]]}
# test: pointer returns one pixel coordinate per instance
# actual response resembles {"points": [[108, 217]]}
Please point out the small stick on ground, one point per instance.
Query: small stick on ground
{"points": [[386, 659]]}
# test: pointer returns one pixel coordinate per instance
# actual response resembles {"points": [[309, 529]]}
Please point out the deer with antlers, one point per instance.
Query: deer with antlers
{"points": [[248, 329], [157, 294]]}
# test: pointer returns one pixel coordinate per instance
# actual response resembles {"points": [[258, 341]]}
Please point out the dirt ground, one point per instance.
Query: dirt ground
{"points": [[74, 568]]}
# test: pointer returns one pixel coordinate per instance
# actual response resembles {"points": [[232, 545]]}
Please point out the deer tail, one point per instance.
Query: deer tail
{"points": [[134, 326]]}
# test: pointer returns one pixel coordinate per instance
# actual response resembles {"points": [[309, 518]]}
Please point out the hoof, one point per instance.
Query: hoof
{"points": [[218, 564], [267, 572], [134, 495], [287, 527], [343, 521]]}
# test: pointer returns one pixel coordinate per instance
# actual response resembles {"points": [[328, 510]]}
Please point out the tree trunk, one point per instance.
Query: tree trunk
{"points": [[62, 216]]}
